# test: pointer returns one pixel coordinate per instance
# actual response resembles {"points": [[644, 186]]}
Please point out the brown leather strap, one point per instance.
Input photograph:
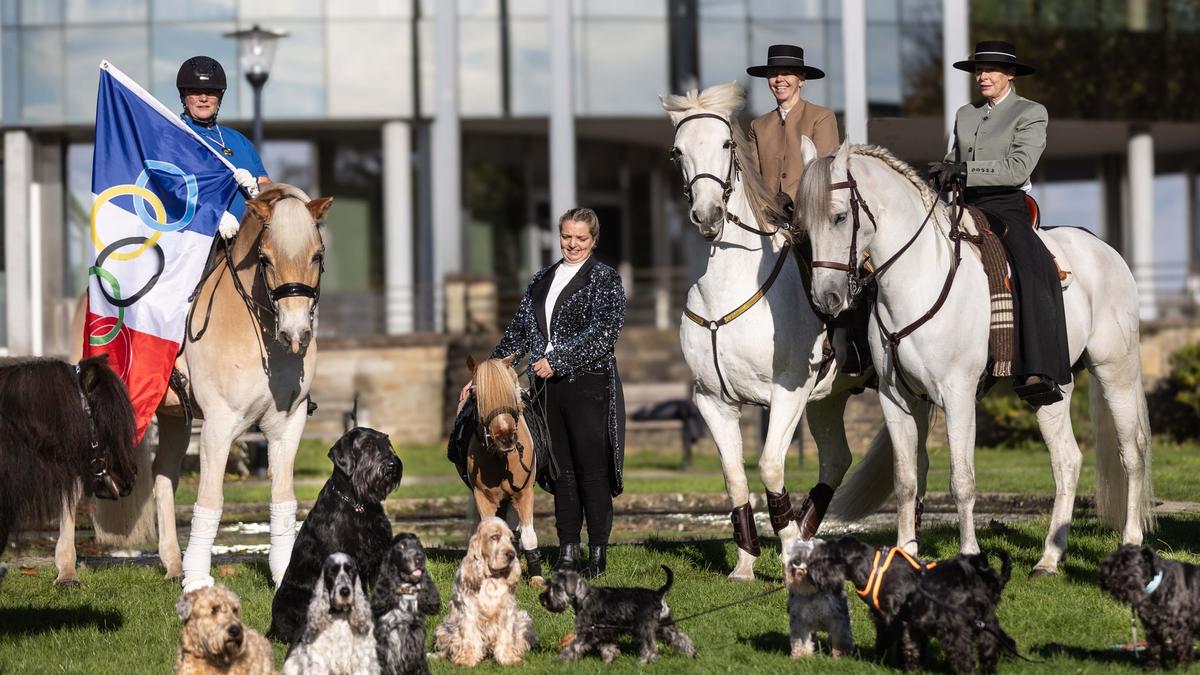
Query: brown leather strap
{"points": [[745, 534], [779, 506]]}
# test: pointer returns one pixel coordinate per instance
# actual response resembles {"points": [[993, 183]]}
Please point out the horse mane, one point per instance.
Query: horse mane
{"points": [[814, 197], [291, 223], [495, 386], [727, 100], [46, 435]]}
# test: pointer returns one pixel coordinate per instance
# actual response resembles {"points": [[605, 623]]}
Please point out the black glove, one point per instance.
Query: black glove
{"points": [[946, 173]]}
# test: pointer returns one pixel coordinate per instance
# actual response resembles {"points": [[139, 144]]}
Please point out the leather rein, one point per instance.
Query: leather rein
{"points": [[713, 325], [857, 283]]}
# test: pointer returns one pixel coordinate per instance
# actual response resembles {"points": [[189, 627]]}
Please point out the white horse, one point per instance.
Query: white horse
{"points": [[944, 358], [769, 348], [249, 359]]}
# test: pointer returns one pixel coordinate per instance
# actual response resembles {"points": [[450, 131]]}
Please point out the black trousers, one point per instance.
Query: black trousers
{"points": [[1040, 319], [577, 415]]}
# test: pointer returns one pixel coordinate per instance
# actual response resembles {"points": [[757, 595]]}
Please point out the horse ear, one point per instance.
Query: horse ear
{"points": [[808, 150], [262, 209], [841, 160], [318, 207], [471, 365]]}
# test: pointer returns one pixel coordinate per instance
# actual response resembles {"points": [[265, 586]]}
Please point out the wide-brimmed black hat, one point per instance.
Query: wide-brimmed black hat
{"points": [[786, 56], [996, 52]]}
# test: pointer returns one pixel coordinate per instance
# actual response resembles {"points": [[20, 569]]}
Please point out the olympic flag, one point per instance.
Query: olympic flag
{"points": [[158, 194]]}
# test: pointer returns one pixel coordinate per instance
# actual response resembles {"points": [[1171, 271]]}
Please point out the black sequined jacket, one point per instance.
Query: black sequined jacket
{"points": [[588, 316]]}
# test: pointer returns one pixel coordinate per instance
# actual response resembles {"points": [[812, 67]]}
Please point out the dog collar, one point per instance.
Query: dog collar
{"points": [[875, 578], [357, 506], [1154, 583], [406, 589]]}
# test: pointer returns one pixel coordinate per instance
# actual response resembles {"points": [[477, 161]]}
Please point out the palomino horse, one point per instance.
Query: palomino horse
{"points": [[249, 357], [500, 456], [940, 360], [750, 335]]}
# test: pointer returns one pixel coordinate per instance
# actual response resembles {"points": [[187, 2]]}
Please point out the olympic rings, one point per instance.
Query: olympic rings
{"points": [[117, 191], [193, 192], [108, 252], [99, 341]]}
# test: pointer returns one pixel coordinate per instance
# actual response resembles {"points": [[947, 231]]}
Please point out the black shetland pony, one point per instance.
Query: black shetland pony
{"points": [[62, 428]]}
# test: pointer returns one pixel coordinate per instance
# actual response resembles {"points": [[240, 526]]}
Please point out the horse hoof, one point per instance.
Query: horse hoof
{"points": [[537, 583], [66, 584], [741, 576], [1042, 572]]}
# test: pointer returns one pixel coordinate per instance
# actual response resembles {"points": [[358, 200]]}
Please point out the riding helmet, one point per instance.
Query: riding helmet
{"points": [[201, 72]]}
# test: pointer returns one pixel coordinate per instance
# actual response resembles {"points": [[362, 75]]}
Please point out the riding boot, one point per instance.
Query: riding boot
{"points": [[597, 561], [745, 535], [568, 558], [779, 506], [812, 510], [533, 562]]}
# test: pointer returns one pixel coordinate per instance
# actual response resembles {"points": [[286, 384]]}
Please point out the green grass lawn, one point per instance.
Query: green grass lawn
{"points": [[122, 620], [1176, 471]]}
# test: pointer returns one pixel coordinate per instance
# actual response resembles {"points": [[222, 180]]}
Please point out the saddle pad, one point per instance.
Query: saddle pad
{"points": [[1001, 336]]}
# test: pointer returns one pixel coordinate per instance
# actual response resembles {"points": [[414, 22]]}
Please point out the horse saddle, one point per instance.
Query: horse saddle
{"points": [[466, 426], [977, 226]]}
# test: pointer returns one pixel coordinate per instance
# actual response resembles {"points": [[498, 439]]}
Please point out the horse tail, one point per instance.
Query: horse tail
{"points": [[130, 521], [869, 485], [1111, 477]]}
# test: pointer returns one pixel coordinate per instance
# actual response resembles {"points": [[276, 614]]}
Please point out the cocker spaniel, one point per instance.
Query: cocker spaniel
{"points": [[338, 636], [484, 618]]}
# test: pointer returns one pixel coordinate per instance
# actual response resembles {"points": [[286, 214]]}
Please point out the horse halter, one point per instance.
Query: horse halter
{"points": [[854, 281], [103, 484], [485, 433]]}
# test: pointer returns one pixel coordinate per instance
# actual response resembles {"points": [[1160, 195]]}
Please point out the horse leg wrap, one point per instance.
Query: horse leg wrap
{"points": [[197, 559], [745, 535], [283, 535], [779, 506], [812, 511], [533, 562]]}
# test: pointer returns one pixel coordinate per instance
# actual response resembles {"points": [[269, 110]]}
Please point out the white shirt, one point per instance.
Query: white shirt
{"points": [[562, 276]]}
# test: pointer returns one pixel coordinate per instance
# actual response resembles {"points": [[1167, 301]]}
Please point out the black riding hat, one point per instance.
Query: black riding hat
{"points": [[786, 56], [996, 52], [200, 72]]}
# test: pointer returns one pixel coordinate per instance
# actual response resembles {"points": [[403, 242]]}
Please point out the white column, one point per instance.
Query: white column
{"points": [[18, 181], [956, 46], [661, 241], [1141, 217], [562, 110], [398, 241], [854, 56], [447, 161], [37, 304]]}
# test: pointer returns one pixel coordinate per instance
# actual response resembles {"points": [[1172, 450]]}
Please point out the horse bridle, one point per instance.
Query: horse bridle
{"points": [[856, 283], [730, 176], [485, 434], [97, 465]]}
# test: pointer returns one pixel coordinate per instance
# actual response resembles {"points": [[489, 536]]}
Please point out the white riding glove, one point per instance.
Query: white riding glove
{"points": [[228, 226], [247, 182]]}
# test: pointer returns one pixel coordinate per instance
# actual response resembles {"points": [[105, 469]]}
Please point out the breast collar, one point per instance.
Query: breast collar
{"points": [[875, 578]]}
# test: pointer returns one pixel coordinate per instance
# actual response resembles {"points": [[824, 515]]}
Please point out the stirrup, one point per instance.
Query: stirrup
{"points": [[1042, 392]]}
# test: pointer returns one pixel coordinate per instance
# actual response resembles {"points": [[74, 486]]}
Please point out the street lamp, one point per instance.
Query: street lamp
{"points": [[256, 51]]}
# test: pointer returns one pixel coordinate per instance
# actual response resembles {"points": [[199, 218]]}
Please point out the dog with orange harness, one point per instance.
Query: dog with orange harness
{"points": [[885, 578]]}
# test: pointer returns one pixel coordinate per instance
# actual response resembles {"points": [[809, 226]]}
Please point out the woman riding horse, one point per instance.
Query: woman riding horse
{"points": [[996, 145]]}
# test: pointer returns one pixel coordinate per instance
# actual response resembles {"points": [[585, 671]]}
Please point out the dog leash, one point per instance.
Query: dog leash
{"points": [[710, 610]]}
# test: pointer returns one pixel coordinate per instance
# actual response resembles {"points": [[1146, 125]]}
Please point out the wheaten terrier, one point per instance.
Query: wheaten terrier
{"points": [[214, 639]]}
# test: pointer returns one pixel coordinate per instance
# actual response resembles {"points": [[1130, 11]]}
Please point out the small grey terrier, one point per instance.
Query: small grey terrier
{"points": [[810, 609]]}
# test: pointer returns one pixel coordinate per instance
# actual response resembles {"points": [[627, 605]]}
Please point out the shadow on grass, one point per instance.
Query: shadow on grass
{"points": [[29, 621], [1107, 656]]}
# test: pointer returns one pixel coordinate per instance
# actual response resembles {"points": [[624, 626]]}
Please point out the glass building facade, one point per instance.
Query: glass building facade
{"points": [[348, 68]]}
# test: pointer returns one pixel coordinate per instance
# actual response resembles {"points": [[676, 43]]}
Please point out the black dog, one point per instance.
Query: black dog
{"points": [[347, 517], [61, 426], [403, 595], [604, 614], [1164, 593], [956, 602], [885, 579]]}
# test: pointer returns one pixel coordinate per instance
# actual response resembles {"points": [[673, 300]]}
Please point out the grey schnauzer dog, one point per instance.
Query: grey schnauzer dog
{"points": [[811, 609], [338, 635], [602, 615], [1164, 593]]}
